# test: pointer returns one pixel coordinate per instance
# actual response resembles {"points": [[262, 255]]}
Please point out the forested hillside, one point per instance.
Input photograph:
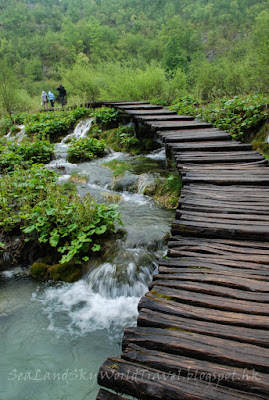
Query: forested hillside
{"points": [[134, 49]]}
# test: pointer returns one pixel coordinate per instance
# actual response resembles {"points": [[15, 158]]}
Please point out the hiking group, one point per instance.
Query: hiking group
{"points": [[46, 98]]}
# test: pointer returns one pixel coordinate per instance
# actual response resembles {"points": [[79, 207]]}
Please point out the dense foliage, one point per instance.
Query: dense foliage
{"points": [[126, 49], [84, 149], [237, 115], [24, 154], [32, 201]]}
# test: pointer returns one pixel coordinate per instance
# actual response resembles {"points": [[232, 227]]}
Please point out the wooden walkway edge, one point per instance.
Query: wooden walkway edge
{"points": [[203, 328]]}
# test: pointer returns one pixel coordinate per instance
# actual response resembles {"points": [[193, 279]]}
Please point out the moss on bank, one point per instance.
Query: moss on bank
{"points": [[66, 272]]}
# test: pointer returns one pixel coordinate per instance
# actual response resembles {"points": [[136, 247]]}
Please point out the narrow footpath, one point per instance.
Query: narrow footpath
{"points": [[203, 328]]}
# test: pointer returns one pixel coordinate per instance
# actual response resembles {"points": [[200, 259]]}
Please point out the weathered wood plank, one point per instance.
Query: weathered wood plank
{"points": [[248, 380], [210, 301], [168, 125], [202, 347], [210, 229], [155, 319], [139, 107], [221, 278], [179, 148], [198, 135], [154, 303], [148, 383], [164, 117]]}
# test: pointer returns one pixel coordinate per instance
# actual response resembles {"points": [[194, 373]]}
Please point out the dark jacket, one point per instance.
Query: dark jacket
{"points": [[62, 91]]}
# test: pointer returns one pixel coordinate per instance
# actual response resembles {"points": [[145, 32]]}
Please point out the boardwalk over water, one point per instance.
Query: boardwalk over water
{"points": [[202, 330]]}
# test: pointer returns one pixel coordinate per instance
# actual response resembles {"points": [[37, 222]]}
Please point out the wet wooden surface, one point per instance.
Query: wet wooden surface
{"points": [[203, 328]]}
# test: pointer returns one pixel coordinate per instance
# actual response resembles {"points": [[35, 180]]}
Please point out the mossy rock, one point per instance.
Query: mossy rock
{"points": [[40, 271], [67, 272]]}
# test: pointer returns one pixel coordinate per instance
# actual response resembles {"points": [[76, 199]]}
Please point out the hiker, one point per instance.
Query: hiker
{"points": [[44, 100], [51, 98], [62, 93]]}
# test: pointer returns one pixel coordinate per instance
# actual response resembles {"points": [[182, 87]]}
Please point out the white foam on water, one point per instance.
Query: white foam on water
{"points": [[136, 198], [103, 300], [81, 130], [64, 178], [85, 310], [157, 154], [14, 272]]}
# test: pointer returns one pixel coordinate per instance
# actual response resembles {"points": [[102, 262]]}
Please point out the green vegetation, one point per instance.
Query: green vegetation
{"points": [[240, 115], [51, 124], [85, 149], [131, 50], [105, 115], [33, 202], [123, 139], [166, 190], [24, 154], [118, 167]]}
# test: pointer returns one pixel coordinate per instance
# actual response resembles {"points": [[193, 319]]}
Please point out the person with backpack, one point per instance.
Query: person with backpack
{"points": [[51, 98], [44, 100], [62, 94]]}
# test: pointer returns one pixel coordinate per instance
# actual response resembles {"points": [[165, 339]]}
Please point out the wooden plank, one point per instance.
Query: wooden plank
{"points": [[151, 112], [154, 303], [210, 301], [215, 262], [227, 179], [125, 103], [181, 148], [155, 319], [202, 347], [211, 229], [148, 383], [249, 246], [193, 136], [222, 279], [214, 289], [164, 117], [139, 107], [168, 125], [203, 370]]}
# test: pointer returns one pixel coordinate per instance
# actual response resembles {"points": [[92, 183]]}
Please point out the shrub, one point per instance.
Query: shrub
{"points": [[104, 115], [33, 202], [85, 149], [27, 153]]}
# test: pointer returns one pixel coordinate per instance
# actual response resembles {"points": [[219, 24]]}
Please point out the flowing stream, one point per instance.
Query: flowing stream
{"points": [[55, 336]]}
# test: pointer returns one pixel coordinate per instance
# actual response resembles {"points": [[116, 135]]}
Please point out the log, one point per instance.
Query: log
{"points": [[237, 378], [201, 287], [150, 318], [202, 347], [148, 383], [154, 303], [212, 302]]}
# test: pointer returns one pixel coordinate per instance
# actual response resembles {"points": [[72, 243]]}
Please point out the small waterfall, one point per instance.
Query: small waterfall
{"points": [[144, 181], [19, 135], [81, 130]]}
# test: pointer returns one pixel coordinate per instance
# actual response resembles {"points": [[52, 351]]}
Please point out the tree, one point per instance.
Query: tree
{"points": [[8, 88]]}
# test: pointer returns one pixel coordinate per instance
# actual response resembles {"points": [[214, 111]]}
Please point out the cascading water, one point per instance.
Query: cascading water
{"points": [[57, 335]]}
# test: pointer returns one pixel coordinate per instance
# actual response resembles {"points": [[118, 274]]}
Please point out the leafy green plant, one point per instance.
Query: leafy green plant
{"points": [[85, 149], [26, 153], [51, 124], [104, 115], [49, 213]]}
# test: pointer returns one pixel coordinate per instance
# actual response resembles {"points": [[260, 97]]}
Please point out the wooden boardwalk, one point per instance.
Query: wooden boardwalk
{"points": [[203, 328]]}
